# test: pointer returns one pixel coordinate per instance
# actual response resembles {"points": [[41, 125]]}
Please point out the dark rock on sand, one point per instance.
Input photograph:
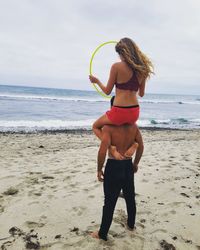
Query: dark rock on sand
{"points": [[167, 246], [11, 191], [184, 194], [58, 236], [75, 229], [47, 177], [5, 245], [188, 241], [31, 240], [15, 231], [1, 209], [32, 245]]}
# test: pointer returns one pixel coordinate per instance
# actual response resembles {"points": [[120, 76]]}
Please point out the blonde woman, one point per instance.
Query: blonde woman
{"points": [[129, 78]]}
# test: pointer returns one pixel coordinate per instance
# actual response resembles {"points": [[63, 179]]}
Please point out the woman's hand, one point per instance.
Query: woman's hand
{"points": [[93, 79]]}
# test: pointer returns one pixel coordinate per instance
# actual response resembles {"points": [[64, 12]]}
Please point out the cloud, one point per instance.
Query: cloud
{"points": [[49, 42]]}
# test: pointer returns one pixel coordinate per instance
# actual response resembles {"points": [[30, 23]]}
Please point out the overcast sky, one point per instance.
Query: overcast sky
{"points": [[48, 43]]}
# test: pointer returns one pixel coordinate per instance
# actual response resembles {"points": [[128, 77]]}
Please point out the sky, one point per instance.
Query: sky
{"points": [[49, 43]]}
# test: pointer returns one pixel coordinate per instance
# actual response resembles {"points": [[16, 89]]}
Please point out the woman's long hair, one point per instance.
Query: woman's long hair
{"points": [[134, 57]]}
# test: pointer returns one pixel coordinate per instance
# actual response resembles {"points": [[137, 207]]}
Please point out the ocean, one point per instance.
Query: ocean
{"points": [[31, 109]]}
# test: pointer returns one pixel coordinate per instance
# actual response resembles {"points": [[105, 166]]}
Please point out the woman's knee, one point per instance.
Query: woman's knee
{"points": [[96, 125]]}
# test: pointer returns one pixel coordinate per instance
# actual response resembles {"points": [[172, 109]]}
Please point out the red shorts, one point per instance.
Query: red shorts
{"points": [[122, 115]]}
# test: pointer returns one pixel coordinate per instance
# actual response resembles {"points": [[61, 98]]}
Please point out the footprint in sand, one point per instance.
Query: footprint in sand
{"points": [[1, 209], [74, 171], [176, 203], [74, 185], [121, 218], [117, 235], [96, 185], [11, 191], [140, 225], [144, 180], [148, 174], [144, 212], [79, 210], [172, 212], [33, 202], [91, 196], [47, 177], [31, 173], [158, 230], [33, 224], [35, 193], [67, 178], [53, 187]]}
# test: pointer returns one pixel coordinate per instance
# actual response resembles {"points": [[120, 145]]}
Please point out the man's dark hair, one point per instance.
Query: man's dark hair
{"points": [[112, 100]]}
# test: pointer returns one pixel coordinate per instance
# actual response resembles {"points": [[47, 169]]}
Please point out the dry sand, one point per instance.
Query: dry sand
{"points": [[50, 197]]}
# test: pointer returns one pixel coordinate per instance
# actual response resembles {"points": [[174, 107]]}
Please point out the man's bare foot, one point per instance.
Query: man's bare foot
{"points": [[129, 153], [115, 153], [131, 229], [95, 235]]}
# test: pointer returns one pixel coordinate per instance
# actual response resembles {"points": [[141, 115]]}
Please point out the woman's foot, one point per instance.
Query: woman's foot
{"points": [[130, 152], [115, 153], [95, 235]]}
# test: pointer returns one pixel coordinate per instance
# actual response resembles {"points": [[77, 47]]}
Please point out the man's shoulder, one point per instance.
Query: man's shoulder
{"points": [[129, 128]]}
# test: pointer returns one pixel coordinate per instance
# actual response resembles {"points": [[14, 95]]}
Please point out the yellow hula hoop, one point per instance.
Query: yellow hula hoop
{"points": [[91, 61]]}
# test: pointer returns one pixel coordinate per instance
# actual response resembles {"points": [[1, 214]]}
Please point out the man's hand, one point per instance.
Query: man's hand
{"points": [[135, 168], [100, 176]]}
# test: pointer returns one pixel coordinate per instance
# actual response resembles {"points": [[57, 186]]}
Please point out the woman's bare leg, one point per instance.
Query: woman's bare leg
{"points": [[98, 125]]}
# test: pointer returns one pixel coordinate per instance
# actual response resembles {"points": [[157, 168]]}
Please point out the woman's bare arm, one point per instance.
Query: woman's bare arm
{"points": [[111, 81], [141, 91]]}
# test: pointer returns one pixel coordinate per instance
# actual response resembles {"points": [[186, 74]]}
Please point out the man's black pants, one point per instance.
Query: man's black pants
{"points": [[117, 175]]}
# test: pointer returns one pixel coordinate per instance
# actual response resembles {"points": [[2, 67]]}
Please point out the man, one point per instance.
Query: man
{"points": [[118, 174]]}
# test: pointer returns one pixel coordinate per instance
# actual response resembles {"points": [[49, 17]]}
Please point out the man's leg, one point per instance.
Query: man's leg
{"points": [[129, 195], [112, 187]]}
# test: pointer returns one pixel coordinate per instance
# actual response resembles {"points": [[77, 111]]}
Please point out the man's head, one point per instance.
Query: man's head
{"points": [[112, 101]]}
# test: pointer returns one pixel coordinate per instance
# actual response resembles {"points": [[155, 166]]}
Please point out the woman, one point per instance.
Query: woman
{"points": [[129, 77]]}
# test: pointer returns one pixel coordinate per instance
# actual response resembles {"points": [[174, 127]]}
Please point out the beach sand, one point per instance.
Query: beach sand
{"points": [[50, 197]]}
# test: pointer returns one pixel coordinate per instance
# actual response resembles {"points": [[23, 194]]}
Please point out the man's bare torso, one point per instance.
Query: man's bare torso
{"points": [[122, 136]]}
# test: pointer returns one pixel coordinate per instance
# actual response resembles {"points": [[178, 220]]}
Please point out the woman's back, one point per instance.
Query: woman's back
{"points": [[127, 84]]}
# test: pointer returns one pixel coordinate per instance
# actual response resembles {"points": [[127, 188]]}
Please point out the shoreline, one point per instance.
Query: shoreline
{"points": [[89, 131]]}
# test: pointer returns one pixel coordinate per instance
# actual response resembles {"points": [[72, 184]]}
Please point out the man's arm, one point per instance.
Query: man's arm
{"points": [[105, 143], [139, 151]]}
